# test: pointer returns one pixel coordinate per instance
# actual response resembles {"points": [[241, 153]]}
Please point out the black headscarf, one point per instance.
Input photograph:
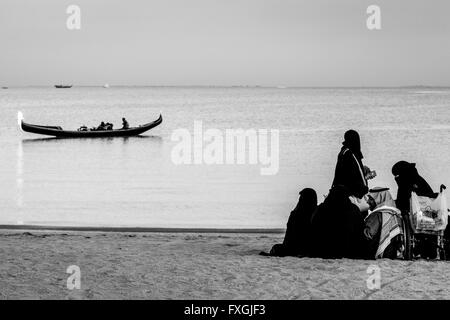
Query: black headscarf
{"points": [[404, 168], [408, 180], [406, 174], [307, 202], [353, 142]]}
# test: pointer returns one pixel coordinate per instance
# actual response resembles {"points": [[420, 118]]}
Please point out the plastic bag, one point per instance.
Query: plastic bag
{"points": [[429, 214]]}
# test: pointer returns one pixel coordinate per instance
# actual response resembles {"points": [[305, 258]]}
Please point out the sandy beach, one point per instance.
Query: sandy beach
{"points": [[158, 265]]}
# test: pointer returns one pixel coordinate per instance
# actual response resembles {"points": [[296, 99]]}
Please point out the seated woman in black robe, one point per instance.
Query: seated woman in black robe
{"points": [[408, 180], [297, 237], [337, 229]]}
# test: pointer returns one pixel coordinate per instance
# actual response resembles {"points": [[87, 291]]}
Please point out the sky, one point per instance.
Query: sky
{"points": [[225, 42]]}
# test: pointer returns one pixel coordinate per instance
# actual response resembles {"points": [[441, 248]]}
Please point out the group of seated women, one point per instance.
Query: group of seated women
{"points": [[353, 221]]}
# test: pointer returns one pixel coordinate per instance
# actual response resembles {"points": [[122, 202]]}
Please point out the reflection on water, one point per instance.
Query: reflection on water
{"points": [[107, 139], [19, 182]]}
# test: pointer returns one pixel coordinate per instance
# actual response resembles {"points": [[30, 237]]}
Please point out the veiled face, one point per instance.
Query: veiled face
{"points": [[352, 140]]}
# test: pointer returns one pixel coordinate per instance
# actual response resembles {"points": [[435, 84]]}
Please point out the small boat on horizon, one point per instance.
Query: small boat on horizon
{"points": [[63, 86], [57, 131], [4, 87], [106, 85]]}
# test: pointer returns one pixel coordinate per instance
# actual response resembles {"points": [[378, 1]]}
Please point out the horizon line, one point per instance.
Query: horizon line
{"points": [[140, 229], [230, 86]]}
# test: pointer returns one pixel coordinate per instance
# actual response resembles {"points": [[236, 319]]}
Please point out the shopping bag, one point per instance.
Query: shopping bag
{"points": [[429, 214]]}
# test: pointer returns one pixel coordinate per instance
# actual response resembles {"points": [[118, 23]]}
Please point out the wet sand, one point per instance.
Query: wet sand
{"points": [[196, 265]]}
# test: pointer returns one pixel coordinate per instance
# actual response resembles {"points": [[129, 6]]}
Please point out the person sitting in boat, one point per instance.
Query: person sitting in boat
{"points": [[125, 124], [102, 126], [297, 238], [350, 171], [108, 126]]}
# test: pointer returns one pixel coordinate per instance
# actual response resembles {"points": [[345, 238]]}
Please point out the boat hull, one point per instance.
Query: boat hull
{"points": [[59, 132]]}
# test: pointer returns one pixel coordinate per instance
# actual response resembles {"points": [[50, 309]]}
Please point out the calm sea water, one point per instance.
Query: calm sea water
{"points": [[133, 182]]}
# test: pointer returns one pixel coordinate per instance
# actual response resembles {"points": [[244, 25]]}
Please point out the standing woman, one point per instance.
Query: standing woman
{"points": [[350, 171]]}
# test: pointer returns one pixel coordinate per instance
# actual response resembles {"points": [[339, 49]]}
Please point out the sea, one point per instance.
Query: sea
{"points": [[135, 182]]}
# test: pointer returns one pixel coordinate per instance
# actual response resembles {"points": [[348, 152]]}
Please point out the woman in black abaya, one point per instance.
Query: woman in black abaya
{"points": [[297, 238], [338, 228], [350, 171]]}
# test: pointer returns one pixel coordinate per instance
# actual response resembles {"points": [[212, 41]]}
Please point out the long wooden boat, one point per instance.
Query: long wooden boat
{"points": [[62, 86], [57, 131]]}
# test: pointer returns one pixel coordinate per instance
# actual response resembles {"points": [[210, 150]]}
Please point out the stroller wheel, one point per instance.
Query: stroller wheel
{"points": [[407, 238], [443, 248], [442, 254], [430, 245]]}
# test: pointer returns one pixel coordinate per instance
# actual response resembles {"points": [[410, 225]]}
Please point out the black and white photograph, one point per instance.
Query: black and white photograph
{"points": [[224, 150]]}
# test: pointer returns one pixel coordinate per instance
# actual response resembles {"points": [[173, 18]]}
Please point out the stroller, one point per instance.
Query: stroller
{"points": [[424, 226]]}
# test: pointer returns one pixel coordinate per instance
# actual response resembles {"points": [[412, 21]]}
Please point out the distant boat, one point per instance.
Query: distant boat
{"points": [[4, 87], [62, 86], [106, 85]]}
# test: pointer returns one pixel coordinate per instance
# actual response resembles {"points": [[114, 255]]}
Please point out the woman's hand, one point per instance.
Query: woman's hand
{"points": [[369, 174]]}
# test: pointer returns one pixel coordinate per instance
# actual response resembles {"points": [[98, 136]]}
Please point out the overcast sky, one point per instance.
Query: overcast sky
{"points": [[225, 42]]}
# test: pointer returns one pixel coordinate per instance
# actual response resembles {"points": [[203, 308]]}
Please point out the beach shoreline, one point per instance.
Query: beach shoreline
{"points": [[190, 265]]}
